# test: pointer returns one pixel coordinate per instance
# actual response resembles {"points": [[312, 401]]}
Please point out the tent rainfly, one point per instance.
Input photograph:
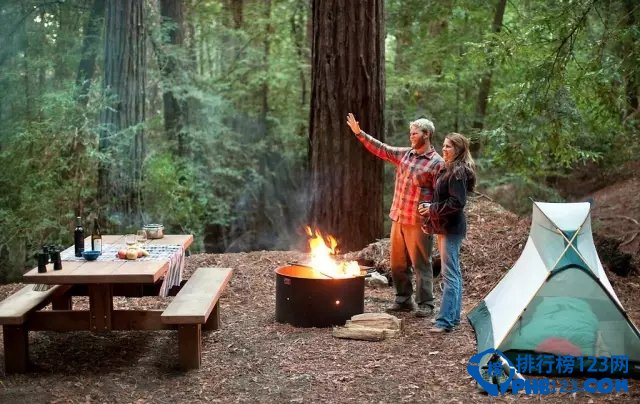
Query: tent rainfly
{"points": [[557, 299]]}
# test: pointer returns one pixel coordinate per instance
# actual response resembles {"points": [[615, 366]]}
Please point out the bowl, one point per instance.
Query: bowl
{"points": [[91, 255], [154, 231]]}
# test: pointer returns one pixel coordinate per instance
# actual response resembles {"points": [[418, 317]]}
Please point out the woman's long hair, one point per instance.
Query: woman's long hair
{"points": [[462, 165]]}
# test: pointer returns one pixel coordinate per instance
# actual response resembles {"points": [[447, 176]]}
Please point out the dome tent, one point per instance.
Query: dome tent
{"points": [[557, 299]]}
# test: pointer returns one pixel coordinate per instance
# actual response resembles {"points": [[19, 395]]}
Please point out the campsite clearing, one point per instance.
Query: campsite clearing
{"points": [[254, 359]]}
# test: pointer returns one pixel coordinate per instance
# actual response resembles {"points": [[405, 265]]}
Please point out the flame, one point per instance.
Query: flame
{"points": [[322, 261]]}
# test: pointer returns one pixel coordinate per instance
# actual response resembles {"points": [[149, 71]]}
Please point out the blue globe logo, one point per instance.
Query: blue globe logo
{"points": [[493, 375]]}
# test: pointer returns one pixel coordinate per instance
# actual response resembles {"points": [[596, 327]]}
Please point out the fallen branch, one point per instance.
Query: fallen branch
{"points": [[630, 240]]}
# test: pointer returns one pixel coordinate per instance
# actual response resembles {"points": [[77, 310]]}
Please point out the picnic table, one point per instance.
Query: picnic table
{"points": [[103, 279]]}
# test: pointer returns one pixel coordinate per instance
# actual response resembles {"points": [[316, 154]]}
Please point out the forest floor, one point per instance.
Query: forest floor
{"points": [[616, 214], [616, 208], [252, 358]]}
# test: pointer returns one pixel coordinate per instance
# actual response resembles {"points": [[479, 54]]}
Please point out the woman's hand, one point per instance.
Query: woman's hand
{"points": [[353, 124], [423, 208]]}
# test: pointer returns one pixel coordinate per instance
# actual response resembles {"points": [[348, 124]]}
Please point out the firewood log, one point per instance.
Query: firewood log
{"points": [[370, 327], [377, 320], [361, 333]]}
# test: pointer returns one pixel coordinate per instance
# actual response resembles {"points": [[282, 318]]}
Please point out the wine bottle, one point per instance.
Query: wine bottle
{"points": [[96, 237], [78, 237]]}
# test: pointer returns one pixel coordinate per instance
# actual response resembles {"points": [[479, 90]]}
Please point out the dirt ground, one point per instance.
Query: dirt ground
{"points": [[252, 358], [616, 207], [616, 214]]}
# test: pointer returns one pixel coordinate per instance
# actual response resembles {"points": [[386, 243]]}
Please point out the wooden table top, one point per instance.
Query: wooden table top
{"points": [[118, 271]]}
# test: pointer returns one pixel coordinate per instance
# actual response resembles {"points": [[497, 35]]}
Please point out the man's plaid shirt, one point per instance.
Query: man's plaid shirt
{"points": [[416, 176]]}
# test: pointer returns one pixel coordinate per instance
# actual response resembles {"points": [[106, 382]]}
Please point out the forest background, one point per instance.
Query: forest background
{"points": [[197, 114]]}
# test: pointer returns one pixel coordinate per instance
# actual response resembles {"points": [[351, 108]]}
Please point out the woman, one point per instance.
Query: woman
{"points": [[445, 216]]}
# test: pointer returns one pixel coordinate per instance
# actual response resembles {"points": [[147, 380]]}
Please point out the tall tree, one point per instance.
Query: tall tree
{"points": [[630, 42], [347, 75], [262, 222], [175, 108], [301, 34], [122, 138], [485, 82], [89, 51]]}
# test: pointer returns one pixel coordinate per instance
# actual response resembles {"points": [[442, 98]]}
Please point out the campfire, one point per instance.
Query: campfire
{"points": [[321, 292], [322, 260]]}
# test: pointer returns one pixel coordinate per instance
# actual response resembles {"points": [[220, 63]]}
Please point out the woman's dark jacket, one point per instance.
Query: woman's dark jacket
{"points": [[446, 214]]}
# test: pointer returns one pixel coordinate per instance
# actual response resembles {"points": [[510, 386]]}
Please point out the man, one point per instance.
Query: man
{"points": [[417, 168]]}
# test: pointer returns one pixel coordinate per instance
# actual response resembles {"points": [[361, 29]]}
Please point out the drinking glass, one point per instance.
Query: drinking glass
{"points": [[130, 239], [141, 237]]}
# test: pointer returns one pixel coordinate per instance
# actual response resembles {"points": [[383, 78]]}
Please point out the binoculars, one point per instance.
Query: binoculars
{"points": [[49, 253]]}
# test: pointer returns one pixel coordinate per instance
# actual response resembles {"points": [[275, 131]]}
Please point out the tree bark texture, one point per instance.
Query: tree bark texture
{"points": [[175, 109], [122, 138], [237, 12], [89, 52], [69, 24], [346, 183]]}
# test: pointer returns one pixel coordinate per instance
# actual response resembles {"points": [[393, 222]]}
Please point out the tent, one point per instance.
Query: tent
{"points": [[557, 299]]}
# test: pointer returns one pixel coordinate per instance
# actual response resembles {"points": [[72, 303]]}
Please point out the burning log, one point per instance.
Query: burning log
{"points": [[370, 327]]}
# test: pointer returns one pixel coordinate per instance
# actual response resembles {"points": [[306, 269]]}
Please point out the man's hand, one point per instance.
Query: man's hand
{"points": [[353, 124]]}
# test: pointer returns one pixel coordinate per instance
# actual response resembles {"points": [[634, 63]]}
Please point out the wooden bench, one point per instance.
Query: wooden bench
{"points": [[196, 308], [14, 312]]}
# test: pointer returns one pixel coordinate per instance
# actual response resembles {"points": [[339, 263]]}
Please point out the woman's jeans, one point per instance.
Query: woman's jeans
{"points": [[451, 306]]}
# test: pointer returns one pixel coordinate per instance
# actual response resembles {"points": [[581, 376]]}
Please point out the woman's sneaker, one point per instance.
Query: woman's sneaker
{"points": [[433, 321], [436, 329]]}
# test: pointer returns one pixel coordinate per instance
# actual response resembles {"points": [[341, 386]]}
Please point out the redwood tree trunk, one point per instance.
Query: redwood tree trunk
{"points": [[347, 76], [120, 175], [89, 51], [175, 110]]}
